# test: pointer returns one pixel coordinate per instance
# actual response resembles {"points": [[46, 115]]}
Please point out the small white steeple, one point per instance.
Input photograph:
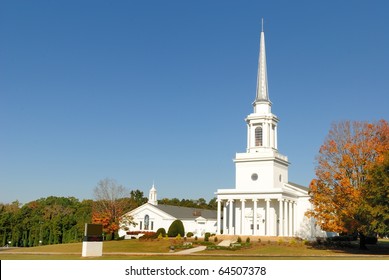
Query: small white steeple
{"points": [[153, 196]]}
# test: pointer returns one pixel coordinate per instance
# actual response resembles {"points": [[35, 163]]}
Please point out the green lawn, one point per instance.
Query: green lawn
{"points": [[159, 249]]}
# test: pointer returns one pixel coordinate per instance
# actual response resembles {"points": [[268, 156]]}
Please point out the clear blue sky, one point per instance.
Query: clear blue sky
{"points": [[144, 91]]}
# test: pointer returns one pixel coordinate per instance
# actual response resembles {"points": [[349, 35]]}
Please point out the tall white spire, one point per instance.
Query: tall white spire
{"points": [[262, 88]]}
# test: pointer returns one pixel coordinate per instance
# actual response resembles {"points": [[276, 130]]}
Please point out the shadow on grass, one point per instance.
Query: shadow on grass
{"points": [[352, 247]]}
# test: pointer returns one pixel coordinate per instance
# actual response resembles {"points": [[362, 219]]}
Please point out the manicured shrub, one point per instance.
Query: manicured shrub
{"points": [[177, 227], [160, 232], [206, 236], [189, 234], [239, 240], [248, 240], [293, 242]]}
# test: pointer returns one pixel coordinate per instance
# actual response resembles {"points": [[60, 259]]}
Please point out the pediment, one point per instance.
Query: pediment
{"points": [[200, 219], [150, 210]]}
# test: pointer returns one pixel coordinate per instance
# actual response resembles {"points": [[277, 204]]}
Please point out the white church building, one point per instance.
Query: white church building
{"points": [[263, 202], [150, 216]]}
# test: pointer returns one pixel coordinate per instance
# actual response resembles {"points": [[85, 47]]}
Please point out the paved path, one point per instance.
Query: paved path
{"points": [[225, 243], [190, 251]]}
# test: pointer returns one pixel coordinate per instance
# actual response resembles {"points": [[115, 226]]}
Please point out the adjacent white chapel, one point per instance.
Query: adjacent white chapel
{"points": [[263, 202], [151, 216]]}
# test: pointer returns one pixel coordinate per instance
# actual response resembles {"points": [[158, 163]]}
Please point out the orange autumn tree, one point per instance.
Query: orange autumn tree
{"points": [[110, 206], [350, 151]]}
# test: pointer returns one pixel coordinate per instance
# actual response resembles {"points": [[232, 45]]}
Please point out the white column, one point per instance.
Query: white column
{"points": [[290, 219], [248, 137], [275, 137], [230, 221], [225, 217], [242, 229], [264, 134], [286, 219], [294, 218], [267, 222], [218, 216], [280, 218], [252, 136], [255, 217], [236, 218], [269, 135]]}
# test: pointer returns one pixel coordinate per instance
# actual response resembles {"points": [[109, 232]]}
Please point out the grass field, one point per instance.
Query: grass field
{"points": [[159, 250]]}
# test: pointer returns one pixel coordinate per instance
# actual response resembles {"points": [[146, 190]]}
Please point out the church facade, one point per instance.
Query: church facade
{"points": [[263, 202]]}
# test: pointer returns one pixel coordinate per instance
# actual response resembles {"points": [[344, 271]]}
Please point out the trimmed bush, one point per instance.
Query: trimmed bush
{"points": [[160, 232], [177, 227], [206, 236], [239, 240], [248, 240], [189, 234]]}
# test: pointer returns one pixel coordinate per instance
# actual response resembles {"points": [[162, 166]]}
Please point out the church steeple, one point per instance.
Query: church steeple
{"points": [[262, 103], [153, 196], [262, 124]]}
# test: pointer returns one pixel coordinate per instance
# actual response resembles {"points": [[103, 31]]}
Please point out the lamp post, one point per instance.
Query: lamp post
{"points": [[40, 233]]}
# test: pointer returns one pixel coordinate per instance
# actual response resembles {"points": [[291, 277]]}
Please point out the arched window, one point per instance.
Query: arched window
{"points": [[258, 136], [147, 218]]}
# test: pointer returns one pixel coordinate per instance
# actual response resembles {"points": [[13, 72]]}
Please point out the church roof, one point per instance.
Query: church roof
{"points": [[298, 186], [184, 213]]}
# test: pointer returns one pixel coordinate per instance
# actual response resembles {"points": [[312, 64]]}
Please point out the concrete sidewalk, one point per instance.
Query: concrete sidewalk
{"points": [[190, 251]]}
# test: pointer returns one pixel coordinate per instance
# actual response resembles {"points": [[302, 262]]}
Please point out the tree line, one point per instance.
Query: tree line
{"points": [[51, 220], [57, 220]]}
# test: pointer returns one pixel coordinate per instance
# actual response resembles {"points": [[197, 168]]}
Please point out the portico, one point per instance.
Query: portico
{"points": [[257, 216]]}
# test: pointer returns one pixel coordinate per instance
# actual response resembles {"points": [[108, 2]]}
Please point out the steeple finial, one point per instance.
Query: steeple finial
{"points": [[262, 24], [262, 88]]}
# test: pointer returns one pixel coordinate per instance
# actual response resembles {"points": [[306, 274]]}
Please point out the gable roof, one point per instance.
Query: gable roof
{"points": [[299, 186], [186, 213]]}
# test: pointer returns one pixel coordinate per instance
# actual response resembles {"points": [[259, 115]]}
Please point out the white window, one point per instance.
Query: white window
{"points": [[258, 136], [147, 218]]}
